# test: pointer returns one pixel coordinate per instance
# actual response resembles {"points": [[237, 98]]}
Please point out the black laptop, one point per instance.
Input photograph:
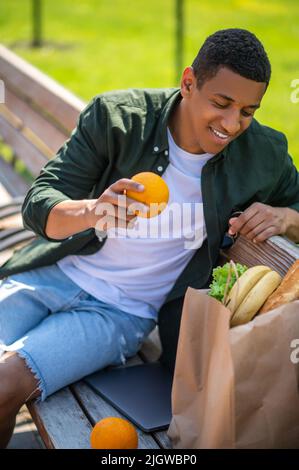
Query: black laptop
{"points": [[142, 393]]}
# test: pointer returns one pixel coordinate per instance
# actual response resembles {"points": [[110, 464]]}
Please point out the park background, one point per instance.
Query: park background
{"points": [[91, 46]]}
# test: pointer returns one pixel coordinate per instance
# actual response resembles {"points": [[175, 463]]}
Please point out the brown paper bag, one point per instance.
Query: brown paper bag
{"points": [[234, 388]]}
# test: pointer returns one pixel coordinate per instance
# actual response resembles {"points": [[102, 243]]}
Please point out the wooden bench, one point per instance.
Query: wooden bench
{"points": [[37, 117]]}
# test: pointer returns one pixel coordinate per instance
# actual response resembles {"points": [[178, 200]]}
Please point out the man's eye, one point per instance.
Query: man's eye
{"points": [[218, 105], [247, 114], [222, 106]]}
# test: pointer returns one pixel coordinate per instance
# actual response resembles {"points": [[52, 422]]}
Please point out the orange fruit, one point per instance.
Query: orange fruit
{"points": [[155, 194], [113, 433]]}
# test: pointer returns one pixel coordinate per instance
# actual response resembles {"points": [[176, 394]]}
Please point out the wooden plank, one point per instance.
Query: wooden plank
{"points": [[13, 201], [13, 183], [21, 127], [31, 118], [97, 408], [10, 222], [29, 83], [24, 148], [15, 236], [61, 422], [25, 435], [4, 194], [163, 439], [10, 232]]}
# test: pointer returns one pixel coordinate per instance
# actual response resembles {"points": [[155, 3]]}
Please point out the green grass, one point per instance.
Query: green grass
{"points": [[98, 45]]}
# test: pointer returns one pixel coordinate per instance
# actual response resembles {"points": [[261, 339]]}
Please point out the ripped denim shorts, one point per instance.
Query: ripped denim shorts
{"points": [[62, 332]]}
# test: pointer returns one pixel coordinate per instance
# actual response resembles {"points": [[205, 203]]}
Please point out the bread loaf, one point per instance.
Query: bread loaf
{"points": [[287, 291]]}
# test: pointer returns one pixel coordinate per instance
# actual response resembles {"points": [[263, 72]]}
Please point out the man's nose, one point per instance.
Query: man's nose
{"points": [[231, 123]]}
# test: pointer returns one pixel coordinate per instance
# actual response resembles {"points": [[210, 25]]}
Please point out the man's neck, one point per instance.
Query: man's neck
{"points": [[181, 132]]}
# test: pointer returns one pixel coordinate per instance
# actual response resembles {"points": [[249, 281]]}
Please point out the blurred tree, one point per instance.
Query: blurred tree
{"points": [[37, 23], [179, 49]]}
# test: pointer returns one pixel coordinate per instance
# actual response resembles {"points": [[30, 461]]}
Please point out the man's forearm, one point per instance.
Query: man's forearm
{"points": [[68, 218], [292, 231]]}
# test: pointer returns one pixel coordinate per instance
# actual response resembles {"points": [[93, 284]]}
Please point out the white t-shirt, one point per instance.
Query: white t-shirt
{"points": [[137, 267]]}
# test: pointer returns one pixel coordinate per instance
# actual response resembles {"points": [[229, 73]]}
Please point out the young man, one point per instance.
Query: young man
{"points": [[72, 303]]}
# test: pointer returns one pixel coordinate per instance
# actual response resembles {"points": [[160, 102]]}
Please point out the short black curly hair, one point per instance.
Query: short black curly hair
{"points": [[234, 48]]}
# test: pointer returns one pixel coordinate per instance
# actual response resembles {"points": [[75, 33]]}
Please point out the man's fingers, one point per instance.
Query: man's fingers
{"points": [[123, 212], [121, 200], [255, 231], [265, 234], [254, 224], [248, 219], [232, 229], [135, 206], [126, 184]]}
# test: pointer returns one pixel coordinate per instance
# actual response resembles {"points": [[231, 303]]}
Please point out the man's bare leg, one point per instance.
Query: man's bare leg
{"points": [[17, 385]]}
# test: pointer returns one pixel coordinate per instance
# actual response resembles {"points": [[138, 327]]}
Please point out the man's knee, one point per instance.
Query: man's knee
{"points": [[17, 382]]}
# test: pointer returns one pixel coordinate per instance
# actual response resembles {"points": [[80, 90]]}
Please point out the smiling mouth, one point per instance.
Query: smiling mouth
{"points": [[223, 137]]}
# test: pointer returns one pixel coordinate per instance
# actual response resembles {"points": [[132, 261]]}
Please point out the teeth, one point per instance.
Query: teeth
{"points": [[222, 136]]}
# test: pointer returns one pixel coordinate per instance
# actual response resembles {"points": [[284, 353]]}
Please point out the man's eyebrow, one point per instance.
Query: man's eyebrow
{"points": [[255, 106]]}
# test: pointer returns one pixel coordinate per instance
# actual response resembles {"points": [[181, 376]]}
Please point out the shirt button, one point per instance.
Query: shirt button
{"points": [[160, 168], [166, 152], [156, 149]]}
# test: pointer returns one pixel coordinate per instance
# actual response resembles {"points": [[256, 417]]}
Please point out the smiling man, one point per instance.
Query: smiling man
{"points": [[71, 303], [212, 115], [221, 92]]}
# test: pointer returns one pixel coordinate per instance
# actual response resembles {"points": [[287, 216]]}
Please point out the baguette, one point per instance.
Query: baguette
{"points": [[287, 291]]}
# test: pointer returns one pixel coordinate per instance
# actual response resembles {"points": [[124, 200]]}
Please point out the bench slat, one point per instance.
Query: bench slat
{"points": [[14, 202], [13, 183], [24, 148], [4, 194], [10, 217], [61, 422], [163, 439], [11, 221], [97, 408], [20, 127], [47, 132], [31, 84], [16, 236]]}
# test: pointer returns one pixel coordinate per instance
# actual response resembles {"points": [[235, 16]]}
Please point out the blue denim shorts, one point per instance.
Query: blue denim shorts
{"points": [[61, 331]]}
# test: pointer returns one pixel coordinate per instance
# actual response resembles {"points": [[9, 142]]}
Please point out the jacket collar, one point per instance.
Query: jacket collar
{"points": [[161, 139]]}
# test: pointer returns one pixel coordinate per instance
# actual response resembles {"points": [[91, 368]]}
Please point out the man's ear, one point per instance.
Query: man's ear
{"points": [[188, 82]]}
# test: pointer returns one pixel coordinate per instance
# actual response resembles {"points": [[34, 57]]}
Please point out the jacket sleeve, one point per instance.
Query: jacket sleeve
{"points": [[286, 190], [73, 172]]}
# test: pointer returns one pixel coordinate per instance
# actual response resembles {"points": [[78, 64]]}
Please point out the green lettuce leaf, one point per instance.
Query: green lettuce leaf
{"points": [[220, 275]]}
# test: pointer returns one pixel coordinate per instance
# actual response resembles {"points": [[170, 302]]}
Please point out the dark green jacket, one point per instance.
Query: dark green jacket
{"points": [[122, 133]]}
